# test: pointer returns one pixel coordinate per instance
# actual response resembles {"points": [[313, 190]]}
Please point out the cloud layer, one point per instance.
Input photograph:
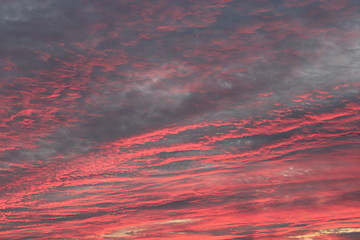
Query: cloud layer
{"points": [[184, 119]]}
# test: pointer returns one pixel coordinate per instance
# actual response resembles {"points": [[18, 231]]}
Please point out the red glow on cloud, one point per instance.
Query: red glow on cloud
{"points": [[219, 120]]}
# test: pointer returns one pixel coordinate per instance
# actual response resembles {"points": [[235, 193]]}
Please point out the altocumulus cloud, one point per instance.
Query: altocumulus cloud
{"points": [[184, 119]]}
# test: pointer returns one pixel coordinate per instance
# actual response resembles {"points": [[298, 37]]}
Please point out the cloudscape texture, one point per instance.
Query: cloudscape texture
{"points": [[179, 119]]}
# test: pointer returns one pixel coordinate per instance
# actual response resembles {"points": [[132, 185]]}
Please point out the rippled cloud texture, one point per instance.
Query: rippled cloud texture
{"points": [[179, 119]]}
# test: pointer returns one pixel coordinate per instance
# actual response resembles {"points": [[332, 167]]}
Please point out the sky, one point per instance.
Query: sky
{"points": [[179, 119]]}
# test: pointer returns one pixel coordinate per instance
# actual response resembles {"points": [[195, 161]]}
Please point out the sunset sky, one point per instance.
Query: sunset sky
{"points": [[180, 119]]}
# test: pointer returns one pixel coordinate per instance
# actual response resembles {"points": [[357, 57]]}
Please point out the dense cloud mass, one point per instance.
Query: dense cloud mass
{"points": [[181, 119]]}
